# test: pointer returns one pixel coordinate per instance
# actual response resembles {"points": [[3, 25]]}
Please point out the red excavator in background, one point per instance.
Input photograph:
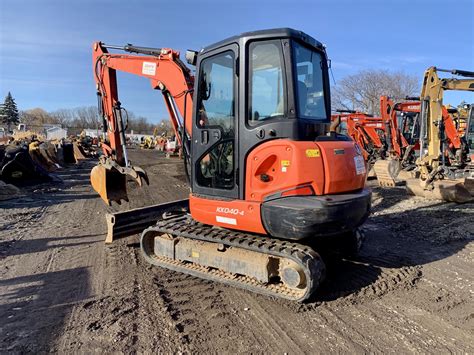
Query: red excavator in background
{"points": [[401, 137], [364, 129], [267, 181], [389, 142]]}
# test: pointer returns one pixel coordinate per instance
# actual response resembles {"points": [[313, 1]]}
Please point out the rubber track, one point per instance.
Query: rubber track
{"points": [[186, 227]]}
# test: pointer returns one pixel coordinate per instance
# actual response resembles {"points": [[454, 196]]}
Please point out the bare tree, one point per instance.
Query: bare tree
{"points": [[362, 91], [64, 116], [164, 128], [79, 118], [86, 117], [36, 117]]}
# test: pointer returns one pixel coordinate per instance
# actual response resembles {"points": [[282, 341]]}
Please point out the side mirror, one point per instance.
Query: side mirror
{"points": [[191, 57]]}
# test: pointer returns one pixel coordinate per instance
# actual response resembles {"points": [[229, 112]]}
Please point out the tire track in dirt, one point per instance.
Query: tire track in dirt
{"points": [[196, 309], [126, 316]]}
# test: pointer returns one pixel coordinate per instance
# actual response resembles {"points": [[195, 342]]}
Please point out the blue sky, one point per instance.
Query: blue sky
{"points": [[45, 45]]}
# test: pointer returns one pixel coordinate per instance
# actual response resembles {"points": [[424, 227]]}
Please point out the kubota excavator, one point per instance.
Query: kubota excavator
{"points": [[267, 181], [444, 168], [364, 129], [401, 137], [389, 142]]}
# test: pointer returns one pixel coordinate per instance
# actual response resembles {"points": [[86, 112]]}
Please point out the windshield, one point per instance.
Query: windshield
{"points": [[309, 83]]}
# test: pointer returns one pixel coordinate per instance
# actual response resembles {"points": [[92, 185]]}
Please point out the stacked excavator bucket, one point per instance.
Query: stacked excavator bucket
{"points": [[79, 153], [28, 159]]}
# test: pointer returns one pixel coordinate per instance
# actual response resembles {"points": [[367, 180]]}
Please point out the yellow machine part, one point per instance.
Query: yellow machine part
{"points": [[459, 190], [109, 184], [78, 154], [387, 171]]}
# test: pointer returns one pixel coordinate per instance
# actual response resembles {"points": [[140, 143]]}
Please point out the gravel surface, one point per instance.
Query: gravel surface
{"points": [[63, 290]]}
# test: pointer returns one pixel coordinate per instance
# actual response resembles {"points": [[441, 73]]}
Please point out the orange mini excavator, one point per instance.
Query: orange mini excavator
{"points": [[401, 120], [365, 130], [268, 183]]}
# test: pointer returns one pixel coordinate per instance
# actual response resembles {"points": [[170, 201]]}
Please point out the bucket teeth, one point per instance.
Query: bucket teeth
{"points": [[142, 175], [386, 172]]}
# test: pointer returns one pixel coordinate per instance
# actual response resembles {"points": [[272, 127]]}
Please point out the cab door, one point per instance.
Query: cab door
{"points": [[215, 136]]}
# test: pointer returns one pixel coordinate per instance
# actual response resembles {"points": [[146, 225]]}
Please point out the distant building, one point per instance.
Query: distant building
{"points": [[137, 138], [94, 133], [55, 133]]}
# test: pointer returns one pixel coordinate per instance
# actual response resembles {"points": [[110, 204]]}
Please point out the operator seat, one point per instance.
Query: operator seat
{"points": [[302, 96]]}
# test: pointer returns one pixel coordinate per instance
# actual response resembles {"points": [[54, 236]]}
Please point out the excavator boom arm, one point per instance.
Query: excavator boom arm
{"points": [[162, 67], [167, 73], [435, 114]]}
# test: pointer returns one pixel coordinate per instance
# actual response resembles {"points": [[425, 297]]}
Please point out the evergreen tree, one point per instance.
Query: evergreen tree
{"points": [[9, 111]]}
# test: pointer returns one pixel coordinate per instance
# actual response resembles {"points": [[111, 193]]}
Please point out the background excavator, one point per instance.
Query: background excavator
{"points": [[400, 120], [444, 168], [367, 131], [268, 183], [389, 142]]}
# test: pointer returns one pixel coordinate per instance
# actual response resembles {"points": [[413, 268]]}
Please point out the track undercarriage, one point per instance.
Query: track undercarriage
{"points": [[260, 264]]}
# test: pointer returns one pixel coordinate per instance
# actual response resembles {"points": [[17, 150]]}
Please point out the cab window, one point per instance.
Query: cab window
{"points": [[266, 89], [310, 98]]}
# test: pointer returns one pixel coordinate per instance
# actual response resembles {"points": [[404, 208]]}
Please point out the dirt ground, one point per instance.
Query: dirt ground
{"points": [[63, 290]]}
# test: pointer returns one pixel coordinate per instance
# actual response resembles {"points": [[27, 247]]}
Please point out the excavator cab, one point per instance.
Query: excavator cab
{"points": [[259, 137], [251, 89]]}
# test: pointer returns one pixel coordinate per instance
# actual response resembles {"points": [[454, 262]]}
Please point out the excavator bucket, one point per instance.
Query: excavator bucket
{"points": [[387, 172], [78, 154], [446, 190], [110, 182]]}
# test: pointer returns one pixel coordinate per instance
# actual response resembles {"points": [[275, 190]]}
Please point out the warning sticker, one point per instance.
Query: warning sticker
{"points": [[313, 153], [359, 164], [285, 163], [149, 68]]}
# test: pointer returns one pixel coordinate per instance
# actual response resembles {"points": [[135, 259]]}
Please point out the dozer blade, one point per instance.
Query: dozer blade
{"points": [[387, 171], [110, 184], [446, 190]]}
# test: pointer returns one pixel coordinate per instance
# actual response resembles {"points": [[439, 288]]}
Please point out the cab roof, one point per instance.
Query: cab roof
{"points": [[266, 34]]}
